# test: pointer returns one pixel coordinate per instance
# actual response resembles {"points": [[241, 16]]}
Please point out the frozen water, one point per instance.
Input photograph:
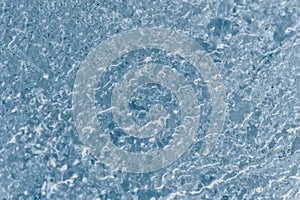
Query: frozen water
{"points": [[255, 47]]}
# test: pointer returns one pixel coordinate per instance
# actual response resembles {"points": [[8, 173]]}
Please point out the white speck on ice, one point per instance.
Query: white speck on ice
{"points": [[52, 162], [46, 76], [148, 59], [63, 168]]}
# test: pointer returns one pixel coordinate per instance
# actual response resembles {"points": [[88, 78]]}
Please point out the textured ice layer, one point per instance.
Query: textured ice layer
{"points": [[255, 45]]}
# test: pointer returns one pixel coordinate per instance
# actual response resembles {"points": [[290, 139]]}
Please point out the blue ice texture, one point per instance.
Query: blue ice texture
{"points": [[255, 46]]}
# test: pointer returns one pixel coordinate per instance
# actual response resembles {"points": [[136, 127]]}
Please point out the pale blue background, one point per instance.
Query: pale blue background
{"points": [[254, 44]]}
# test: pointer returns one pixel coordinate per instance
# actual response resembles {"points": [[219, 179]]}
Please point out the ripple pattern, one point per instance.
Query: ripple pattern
{"points": [[143, 118]]}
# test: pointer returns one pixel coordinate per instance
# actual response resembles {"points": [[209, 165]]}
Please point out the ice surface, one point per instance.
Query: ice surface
{"points": [[255, 46]]}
